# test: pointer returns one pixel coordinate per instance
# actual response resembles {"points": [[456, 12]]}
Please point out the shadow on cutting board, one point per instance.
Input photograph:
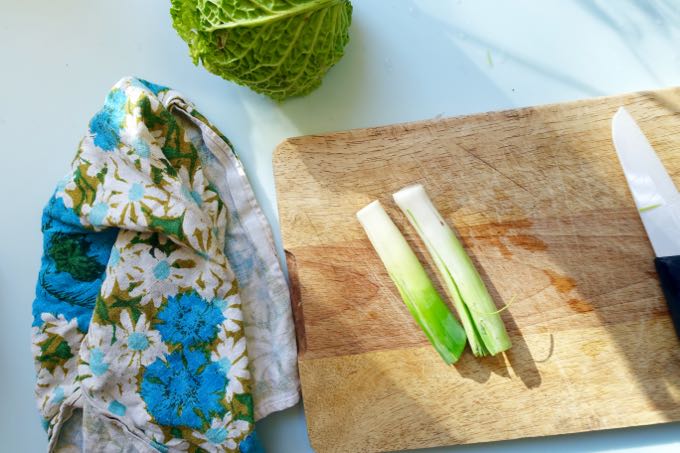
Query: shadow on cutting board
{"points": [[519, 357]]}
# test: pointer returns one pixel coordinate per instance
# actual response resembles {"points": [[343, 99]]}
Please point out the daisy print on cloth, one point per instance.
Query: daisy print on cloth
{"points": [[139, 333]]}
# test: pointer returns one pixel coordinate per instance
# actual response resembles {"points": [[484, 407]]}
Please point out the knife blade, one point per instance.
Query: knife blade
{"points": [[658, 203]]}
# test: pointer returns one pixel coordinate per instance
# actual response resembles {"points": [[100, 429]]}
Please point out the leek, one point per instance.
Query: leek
{"points": [[415, 287], [475, 307]]}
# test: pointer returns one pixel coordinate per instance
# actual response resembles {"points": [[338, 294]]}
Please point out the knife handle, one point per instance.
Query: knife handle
{"points": [[668, 269]]}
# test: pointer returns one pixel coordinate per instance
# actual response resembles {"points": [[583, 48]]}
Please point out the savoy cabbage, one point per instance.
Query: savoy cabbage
{"points": [[280, 48]]}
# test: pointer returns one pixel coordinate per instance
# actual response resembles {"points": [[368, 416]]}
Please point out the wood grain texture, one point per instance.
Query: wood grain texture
{"points": [[539, 200]]}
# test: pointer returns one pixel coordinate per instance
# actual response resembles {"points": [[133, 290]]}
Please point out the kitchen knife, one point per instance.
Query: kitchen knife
{"points": [[657, 201]]}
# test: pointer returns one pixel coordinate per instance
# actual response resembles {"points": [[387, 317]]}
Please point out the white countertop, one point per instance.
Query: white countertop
{"points": [[407, 60]]}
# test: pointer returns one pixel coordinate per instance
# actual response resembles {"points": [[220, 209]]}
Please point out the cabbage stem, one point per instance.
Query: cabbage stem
{"points": [[415, 287], [475, 307]]}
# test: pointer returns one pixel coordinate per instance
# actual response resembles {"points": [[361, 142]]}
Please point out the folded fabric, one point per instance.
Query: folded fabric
{"points": [[161, 320]]}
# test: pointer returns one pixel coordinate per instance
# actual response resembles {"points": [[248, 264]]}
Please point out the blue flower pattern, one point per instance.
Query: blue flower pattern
{"points": [[58, 291], [189, 320], [118, 408], [106, 123], [185, 389], [97, 363], [138, 341]]}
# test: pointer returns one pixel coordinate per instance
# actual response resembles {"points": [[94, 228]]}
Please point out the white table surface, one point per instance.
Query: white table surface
{"points": [[407, 60]]}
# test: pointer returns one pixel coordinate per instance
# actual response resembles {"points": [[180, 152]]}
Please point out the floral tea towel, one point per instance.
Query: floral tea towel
{"points": [[161, 318]]}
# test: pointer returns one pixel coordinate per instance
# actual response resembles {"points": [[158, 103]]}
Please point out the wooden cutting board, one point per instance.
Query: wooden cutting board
{"points": [[538, 197]]}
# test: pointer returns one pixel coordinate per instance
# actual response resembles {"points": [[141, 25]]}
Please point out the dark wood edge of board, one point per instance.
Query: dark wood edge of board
{"points": [[296, 303]]}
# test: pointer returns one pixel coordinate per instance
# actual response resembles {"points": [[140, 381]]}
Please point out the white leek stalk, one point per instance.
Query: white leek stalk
{"points": [[415, 287], [475, 307]]}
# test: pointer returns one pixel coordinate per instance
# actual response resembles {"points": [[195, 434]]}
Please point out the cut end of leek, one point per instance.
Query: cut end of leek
{"points": [[415, 287], [475, 307]]}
